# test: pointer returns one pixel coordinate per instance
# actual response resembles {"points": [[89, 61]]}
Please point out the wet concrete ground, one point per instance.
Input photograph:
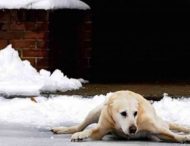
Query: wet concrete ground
{"points": [[18, 135], [150, 91]]}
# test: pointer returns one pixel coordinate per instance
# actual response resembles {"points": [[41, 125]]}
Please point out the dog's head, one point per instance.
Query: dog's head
{"points": [[124, 111]]}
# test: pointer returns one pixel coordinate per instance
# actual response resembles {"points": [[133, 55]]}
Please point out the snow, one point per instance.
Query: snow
{"points": [[61, 110], [18, 77], [47, 112], [43, 4], [175, 110]]}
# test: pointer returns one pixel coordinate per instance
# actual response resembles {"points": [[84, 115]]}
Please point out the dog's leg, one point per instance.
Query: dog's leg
{"points": [[103, 127], [95, 134], [92, 117], [170, 136], [165, 134], [179, 128]]}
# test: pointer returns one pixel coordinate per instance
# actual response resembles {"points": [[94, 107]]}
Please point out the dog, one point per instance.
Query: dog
{"points": [[127, 115]]}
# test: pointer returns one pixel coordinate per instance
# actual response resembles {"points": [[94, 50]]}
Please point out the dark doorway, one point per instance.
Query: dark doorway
{"points": [[140, 41], [66, 41]]}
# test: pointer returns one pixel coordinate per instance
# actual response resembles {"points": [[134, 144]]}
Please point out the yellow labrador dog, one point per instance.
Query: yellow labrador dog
{"points": [[128, 115]]}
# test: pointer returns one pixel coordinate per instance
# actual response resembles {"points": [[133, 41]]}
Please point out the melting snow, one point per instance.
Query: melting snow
{"points": [[61, 110], [175, 110], [47, 111], [18, 77]]}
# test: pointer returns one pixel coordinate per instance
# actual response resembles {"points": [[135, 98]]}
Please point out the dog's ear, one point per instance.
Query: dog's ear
{"points": [[110, 101], [109, 105], [109, 116], [139, 108], [140, 113]]}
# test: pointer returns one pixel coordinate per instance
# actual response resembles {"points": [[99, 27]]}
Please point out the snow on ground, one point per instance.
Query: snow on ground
{"points": [[43, 4], [174, 110], [47, 111], [18, 77], [61, 110]]}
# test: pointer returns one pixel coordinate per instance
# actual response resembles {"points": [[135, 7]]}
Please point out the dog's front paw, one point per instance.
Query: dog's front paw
{"points": [[79, 136], [184, 139], [187, 139]]}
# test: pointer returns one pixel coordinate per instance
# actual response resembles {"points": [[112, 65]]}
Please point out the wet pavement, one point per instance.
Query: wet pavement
{"points": [[18, 135], [150, 91]]}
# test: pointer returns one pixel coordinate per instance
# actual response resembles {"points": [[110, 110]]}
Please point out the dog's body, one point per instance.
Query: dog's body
{"points": [[128, 115]]}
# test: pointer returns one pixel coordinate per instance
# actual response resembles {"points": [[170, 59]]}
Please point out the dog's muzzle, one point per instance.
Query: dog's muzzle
{"points": [[132, 129]]}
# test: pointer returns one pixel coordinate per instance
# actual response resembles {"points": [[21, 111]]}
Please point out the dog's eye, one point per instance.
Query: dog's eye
{"points": [[124, 114], [135, 113]]}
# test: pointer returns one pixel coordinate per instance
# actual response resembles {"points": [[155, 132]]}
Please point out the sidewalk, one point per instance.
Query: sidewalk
{"points": [[150, 91], [14, 135]]}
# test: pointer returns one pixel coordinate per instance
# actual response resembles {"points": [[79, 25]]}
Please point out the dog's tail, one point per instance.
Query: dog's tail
{"points": [[179, 128]]}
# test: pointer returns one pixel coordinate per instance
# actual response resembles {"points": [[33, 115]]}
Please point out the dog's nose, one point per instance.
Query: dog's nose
{"points": [[132, 129]]}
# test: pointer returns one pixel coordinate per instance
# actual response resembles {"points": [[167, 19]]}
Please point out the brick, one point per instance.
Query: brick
{"points": [[15, 16], [35, 35], [42, 26], [4, 16], [30, 26], [42, 15], [29, 15], [37, 26], [35, 15], [4, 26], [17, 26], [20, 15], [35, 53], [11, 35], [23, 43], [42, 63], [3, 44], [42, 44]]}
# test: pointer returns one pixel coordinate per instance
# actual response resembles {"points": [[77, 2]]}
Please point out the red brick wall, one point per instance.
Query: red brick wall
{"points": [[28, 32], [45, 38]]}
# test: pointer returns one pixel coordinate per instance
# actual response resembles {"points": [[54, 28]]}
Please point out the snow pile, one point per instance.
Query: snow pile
{"points": [[47, 112], [62, 110], [18, 77], [43, 4], [174, 110]]}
